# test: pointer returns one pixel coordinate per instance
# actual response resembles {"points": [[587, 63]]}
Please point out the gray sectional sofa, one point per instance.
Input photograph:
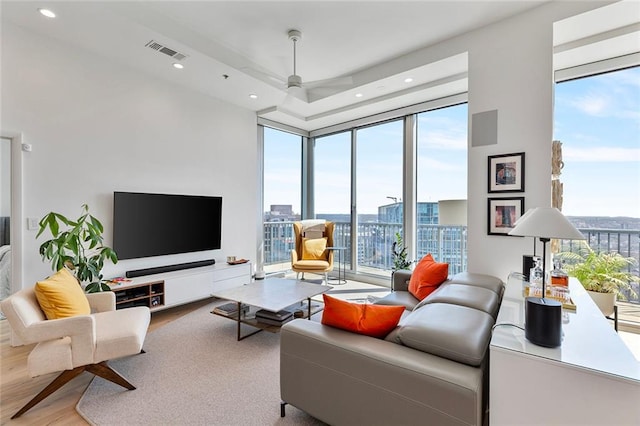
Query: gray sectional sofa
{"points": [[432, 369]]}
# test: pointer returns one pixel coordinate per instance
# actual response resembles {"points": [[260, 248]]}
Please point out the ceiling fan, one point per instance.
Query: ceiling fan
{"points": [[296, 87]]}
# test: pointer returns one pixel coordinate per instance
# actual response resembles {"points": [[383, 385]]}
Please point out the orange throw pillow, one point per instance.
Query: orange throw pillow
{"points": [[370, 320], [427, 277]]}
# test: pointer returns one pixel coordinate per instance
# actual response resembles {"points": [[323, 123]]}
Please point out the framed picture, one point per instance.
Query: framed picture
{"points": [[503, 213], [506, 173]]}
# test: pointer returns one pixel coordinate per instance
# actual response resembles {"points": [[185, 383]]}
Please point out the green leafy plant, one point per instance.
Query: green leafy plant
{"points": [[77, 245], [603, 272], [399, 253]]}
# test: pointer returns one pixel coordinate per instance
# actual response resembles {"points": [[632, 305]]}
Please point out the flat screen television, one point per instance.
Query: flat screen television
{"points": [[146, 225]]}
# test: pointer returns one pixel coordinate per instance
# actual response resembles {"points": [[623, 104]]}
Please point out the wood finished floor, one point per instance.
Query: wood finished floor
{"points": [[17, 387]]}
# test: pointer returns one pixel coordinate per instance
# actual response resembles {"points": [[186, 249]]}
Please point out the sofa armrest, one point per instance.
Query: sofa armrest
{"points": [[400, 280], [353, 371]]}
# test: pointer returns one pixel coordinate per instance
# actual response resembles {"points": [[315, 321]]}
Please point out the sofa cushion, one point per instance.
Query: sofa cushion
{"points": [[427, 276], [60, 296], [465, 295], [370, 320], [454, 332], [314, 248], [403, 298], [480, 280]]}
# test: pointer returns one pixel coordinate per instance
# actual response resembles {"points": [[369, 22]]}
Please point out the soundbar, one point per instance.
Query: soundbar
{"points": [[168, 268]]}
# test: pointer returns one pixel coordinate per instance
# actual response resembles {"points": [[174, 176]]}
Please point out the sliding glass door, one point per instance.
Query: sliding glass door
{"points": [[332, 188], [379, 168], [282, 194], [442, 186], [358, 178]]}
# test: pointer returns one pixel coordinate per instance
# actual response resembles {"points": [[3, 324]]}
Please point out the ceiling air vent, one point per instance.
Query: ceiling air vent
{"points": [[166, 50]]}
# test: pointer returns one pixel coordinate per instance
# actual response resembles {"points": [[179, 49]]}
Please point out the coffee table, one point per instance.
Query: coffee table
{"points": [[271, 294]]}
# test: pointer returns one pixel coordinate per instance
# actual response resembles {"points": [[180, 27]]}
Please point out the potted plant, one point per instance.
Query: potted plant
{"points": [[604, 275], [77, 245], [399, 254]]}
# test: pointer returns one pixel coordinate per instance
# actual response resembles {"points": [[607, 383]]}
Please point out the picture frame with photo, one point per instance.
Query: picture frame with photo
{"points": [[502, 214], [506, 173]]}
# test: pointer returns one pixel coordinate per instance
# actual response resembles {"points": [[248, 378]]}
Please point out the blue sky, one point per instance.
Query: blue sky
{"points": [[596, 118]]}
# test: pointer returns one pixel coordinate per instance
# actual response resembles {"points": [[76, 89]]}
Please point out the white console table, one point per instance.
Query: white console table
{"points": [[165, 290], [592, 378]]}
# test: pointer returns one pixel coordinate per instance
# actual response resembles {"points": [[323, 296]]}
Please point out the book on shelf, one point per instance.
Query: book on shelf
{"points": [[230, 309], [273, 322], [276, 316]]}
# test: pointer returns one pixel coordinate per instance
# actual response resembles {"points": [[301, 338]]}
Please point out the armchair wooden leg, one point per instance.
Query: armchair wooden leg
{"points": [[100, 369], [108, 373], [56, 384]]}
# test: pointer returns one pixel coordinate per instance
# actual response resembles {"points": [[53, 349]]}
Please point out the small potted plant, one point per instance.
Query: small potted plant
{"points": [[604, 275], [77, 247], [399, 254]]}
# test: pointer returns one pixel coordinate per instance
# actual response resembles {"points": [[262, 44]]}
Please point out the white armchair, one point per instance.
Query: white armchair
{"points": [[76, 344]]}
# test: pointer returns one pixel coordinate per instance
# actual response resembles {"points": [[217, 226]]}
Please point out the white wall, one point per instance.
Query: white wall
{"points": [[98, 127], [5, 177], [511, 70]]}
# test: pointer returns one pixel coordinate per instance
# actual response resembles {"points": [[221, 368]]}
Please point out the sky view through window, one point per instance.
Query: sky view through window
{"points": [[597, 119]]}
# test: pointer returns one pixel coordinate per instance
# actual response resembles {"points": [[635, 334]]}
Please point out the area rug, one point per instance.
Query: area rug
{"points": [[195, 372]]}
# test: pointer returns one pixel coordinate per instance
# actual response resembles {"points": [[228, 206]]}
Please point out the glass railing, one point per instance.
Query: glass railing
{"points": [[446, 243]]}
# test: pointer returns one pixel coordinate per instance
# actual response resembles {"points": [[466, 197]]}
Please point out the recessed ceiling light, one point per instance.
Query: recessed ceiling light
{"points": [[253, 96], [177, 65], [358, 95], [47, 13], [408, 80]]}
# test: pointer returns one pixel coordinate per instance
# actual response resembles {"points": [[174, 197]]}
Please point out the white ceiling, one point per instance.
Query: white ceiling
{"points": [[248, 42]]}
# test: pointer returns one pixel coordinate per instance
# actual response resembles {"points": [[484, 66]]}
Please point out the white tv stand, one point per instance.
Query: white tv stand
{"points": [[165, 290]]}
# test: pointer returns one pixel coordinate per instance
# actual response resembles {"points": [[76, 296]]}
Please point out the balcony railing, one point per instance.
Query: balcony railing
{"points": [[623, 241], [446, 243]]}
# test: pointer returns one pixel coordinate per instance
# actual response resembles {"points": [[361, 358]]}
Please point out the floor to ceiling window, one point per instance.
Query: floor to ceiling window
{"points": [[359, 177], [379, 188], [332, 188], [282, 194], [597, 121], [442, 185]]}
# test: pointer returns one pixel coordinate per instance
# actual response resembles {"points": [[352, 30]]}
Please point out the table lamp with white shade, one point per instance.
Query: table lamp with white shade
{"points": [[543, 317], [528, 261]]}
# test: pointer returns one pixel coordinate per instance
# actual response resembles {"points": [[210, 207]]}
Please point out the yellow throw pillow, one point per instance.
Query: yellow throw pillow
{"points": [[60, 296], [313, 249]]}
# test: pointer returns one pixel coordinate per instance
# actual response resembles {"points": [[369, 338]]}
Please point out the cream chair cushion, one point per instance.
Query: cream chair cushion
{"points": [[120, 333]]}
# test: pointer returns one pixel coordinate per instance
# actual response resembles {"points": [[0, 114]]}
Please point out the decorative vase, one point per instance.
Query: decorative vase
{"points": [[604, 301]]}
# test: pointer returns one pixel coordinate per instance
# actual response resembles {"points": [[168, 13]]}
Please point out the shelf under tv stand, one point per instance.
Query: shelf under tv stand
{"points": [[165, 290]]}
